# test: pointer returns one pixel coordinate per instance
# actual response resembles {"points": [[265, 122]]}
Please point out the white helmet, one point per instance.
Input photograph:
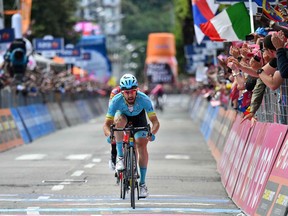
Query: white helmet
{"points": [[128, 81]]}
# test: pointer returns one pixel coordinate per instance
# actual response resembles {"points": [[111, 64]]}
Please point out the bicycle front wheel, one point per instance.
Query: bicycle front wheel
{"points": [[132, 179], [121, 179]]}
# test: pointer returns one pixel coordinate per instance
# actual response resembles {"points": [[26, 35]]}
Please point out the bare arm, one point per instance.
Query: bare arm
{"points": [[106, 126], [274, 81], [247, 69], [155, 124]]}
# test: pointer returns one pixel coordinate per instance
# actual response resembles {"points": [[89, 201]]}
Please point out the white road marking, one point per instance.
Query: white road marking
{"points": [[78, 157], [43, 197], [31, 157], [177, 157], [57, 187], [78, 173], [8, 195], [140, 203], [66, 181], [33, 210], [89, 165], [96, 160]]}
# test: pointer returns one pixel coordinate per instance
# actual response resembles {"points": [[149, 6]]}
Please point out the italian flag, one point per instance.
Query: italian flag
{"points": [[232, 24]]}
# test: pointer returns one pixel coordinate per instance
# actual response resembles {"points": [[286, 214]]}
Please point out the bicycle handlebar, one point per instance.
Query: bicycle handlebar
{"points": [[129, 128]]}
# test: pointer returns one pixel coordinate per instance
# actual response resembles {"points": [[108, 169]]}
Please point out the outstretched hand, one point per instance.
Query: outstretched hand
{"points": [[250, 117]]}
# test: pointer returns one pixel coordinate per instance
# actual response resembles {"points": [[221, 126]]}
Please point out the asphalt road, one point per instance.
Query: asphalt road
{"points": [[66, 173]]}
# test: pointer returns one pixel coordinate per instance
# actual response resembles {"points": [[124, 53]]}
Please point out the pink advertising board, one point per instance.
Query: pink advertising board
{"points": [[274, 199], [248, 165], [227, 124], [231, 143], [216, 128], [237, 159], [264, 160]]}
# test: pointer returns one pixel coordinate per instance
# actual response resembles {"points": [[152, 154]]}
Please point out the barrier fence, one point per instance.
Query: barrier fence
{"points": [[251, 159], [24, 124]]}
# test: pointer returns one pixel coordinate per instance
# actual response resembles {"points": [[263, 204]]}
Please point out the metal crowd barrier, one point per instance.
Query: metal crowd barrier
{"points": [[274, 105]]}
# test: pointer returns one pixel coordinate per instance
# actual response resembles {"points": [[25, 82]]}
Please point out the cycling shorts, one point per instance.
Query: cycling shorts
{"points": [[139, 120]]}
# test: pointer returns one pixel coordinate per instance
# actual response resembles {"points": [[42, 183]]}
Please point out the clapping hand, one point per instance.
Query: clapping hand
{"points": [[278, 39]]}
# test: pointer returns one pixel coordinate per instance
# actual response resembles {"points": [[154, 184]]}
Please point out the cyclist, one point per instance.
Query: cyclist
{"points": [[131, 106], [157, 94]]}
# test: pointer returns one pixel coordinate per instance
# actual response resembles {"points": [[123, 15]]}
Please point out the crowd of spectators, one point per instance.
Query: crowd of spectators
{"points": [[251, 77], [44, 83]]}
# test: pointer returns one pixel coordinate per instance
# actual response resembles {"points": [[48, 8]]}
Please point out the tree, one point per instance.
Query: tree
{"points": [[142, 18], [183, 29]]}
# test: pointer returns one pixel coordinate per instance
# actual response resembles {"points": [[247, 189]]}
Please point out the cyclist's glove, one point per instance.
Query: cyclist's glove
{"points": [[152, 137], [108, 139]]}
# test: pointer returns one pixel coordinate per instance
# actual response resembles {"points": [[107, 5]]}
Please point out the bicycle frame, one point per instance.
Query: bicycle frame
{"points": [[128, 177]]}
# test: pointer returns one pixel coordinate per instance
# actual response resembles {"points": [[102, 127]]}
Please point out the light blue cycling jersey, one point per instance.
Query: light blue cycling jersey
{"points": [[118, 102]]}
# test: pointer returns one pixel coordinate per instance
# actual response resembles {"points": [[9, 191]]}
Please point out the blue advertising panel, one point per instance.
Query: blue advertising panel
{"points": [[95, 42], [6, 35], [99, 65], [75, 52], [55, 44], [20, 125], [86, 56]]}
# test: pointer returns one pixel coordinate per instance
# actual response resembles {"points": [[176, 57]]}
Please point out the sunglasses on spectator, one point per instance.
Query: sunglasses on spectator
{"points": [[131, 91]]}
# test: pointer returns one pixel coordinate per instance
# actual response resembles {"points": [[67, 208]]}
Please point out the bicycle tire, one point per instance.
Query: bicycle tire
{"points": [[124, 185], [136, 174], [132, 175], [121, 184]]}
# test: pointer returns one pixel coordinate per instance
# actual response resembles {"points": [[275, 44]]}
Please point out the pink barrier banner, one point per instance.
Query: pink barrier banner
{"points": [[264, 157], [227, 124], [248, 165], [229, 150], [216, 134], [237, 160], [274, 200]]}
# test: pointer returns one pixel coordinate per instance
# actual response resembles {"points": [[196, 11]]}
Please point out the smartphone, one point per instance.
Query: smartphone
{"points": [[249, 37]]}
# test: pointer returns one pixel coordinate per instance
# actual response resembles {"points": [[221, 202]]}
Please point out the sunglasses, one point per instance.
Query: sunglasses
{"points": [[127, 92]]}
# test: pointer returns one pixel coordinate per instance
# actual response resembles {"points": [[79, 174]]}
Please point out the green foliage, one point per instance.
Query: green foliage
{"points": [[144, 17], [50, 22], [141, 19], [182, 10]]}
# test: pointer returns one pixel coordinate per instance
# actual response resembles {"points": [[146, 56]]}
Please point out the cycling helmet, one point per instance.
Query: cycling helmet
{"points": [[128, 81]]}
